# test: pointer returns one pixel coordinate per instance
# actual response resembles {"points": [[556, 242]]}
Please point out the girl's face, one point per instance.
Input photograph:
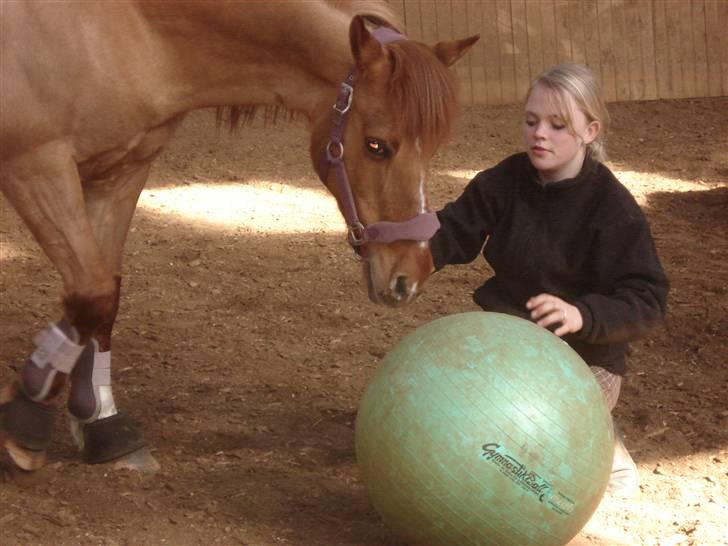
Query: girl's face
{"points": [[555, 151]]}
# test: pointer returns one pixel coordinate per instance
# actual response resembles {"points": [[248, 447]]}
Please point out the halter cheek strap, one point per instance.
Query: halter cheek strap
{"points": [[420, 228]]}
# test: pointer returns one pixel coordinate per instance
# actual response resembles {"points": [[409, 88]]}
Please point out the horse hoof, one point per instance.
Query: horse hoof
{"points": [[24, 459], [114, 439], [139, 461], [26, 427]]}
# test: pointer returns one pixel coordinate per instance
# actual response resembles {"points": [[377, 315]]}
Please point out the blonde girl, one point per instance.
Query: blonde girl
{"points": [[570, 248]]}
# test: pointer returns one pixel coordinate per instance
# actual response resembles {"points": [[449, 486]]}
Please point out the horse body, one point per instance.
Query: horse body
{"points": [[91, 93]]}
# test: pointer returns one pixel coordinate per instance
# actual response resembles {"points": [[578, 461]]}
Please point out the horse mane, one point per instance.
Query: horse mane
{"points": [[421, 87], [375, 11], [378, 12]]}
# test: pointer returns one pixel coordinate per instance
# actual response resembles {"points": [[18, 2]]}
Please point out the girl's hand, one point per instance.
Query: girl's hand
{"points": [[547, 310]]}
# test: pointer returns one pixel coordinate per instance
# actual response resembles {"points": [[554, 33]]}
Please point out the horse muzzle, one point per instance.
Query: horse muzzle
{"points": [[393, 277]]}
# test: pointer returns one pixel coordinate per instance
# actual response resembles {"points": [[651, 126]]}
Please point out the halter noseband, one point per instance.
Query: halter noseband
{"points": [[420, 228]]}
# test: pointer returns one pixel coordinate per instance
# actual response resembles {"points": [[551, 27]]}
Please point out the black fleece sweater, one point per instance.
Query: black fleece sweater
{"points": [[584, 240]]}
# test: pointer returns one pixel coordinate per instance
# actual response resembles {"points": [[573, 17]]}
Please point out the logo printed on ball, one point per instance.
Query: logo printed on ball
{"points": [[527, 479]]}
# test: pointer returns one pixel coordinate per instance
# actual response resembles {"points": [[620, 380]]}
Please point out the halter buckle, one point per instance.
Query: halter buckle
{"points": [[357, 234], [345, 91]]}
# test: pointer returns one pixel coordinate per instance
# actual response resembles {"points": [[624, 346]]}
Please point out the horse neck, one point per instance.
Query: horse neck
{"points": [[253, 53]]}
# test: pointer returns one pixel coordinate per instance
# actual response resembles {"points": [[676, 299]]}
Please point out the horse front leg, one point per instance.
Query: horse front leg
{"points": [[44, 187], [102, 432]]}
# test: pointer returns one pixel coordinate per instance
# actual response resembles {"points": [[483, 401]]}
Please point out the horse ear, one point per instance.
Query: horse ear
{"points": [[450, 52], [365, 48]]}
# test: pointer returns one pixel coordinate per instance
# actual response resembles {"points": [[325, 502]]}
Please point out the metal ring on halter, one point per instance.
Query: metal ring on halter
{"points": [[357, 235], [332, 157], [350, 96]]}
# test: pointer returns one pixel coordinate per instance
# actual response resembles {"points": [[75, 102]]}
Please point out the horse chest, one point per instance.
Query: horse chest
{"points": [[131, 155]]}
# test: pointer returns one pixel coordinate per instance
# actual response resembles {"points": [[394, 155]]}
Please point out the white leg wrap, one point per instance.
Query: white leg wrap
{"points": [[91, 397], [55, 353], [54, 348], [101, 380]]}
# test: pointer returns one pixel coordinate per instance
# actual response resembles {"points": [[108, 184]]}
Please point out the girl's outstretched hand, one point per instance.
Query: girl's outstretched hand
{"points": [[547, 310]]}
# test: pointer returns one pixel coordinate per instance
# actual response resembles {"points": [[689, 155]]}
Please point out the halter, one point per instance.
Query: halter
{"points": [[420, 228]]}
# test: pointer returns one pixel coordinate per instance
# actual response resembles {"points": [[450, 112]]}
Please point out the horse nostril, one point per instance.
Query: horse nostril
{"points": [[400, 287]]}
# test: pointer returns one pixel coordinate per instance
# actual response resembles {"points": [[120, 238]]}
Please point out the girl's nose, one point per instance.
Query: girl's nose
{"points": [[538, 130]]}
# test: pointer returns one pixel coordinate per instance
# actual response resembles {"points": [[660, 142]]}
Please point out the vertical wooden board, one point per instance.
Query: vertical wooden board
{"points": [[686, 48], [663, 66], [548, 32], [443, 15], [723, 34], [507, 58], [622, 44], [634, 33], [672, 22], [462, 67], [645, 22], [563, 38], [477, 64], [520, 43], [606, 50], [412, 19], [713, 30], [491, 55], [701, 55], [428, 21], [576, 32], [590, 20], [398, 7], [534, 35]]}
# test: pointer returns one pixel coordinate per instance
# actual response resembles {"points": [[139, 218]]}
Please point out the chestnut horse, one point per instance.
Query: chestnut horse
{"points": [[92, 92]]}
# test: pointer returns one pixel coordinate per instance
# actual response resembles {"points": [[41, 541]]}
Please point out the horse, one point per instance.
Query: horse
{"points": [[92, 92]]}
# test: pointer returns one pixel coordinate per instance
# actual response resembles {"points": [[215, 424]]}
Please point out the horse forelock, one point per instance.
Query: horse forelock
{"points": [[424, 94]]}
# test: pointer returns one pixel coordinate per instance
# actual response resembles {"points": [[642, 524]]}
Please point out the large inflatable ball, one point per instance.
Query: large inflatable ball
{"points": [[482, 428]]}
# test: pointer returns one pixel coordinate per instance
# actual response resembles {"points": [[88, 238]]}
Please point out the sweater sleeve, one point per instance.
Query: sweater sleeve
{"points": [[635, 299], [466, 222]]}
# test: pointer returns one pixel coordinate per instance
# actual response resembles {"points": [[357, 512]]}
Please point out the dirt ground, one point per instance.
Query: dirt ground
{"points": [[245, 341]]}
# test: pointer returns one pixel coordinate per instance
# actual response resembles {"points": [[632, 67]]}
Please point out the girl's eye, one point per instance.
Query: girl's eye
{"points": [[377, 147], [558, 127], [530, 123]]}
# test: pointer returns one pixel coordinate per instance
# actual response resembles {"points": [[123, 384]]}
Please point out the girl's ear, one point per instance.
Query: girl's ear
{"points": [[592, 132]]}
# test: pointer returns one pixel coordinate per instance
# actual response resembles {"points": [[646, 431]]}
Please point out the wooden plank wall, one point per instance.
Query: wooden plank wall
{"points": [[640, 49]]}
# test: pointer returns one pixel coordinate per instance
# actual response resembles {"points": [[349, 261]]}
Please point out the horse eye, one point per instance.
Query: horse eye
{"points": [[377, 147]]}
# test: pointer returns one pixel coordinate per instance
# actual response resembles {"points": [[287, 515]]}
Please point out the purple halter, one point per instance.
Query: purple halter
{"points": [[420, 228]]}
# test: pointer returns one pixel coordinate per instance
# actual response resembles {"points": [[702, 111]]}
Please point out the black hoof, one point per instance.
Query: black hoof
{"points": [[26, 426], [29, 423], [110, 438]]}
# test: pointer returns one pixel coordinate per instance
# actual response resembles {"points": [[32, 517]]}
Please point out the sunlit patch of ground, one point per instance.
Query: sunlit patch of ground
{"points": [[11, 251], [259, 207], [699, 498], [640, 184]]}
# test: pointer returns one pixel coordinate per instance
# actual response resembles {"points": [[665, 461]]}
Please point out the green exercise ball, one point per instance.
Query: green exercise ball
{"points": [[482, 428]]}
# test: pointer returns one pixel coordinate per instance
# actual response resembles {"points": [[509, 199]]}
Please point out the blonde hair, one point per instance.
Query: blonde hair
{"points": [[579, 82]]}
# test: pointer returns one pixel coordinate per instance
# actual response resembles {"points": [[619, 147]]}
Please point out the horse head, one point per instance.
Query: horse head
{"points": [[391, 114]]}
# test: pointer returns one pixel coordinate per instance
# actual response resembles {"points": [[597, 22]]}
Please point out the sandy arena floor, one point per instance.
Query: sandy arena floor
{"points": [[246, 339]]}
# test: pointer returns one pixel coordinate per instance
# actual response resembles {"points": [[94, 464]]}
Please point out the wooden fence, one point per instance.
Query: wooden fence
{"points": [[640, 49]]}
